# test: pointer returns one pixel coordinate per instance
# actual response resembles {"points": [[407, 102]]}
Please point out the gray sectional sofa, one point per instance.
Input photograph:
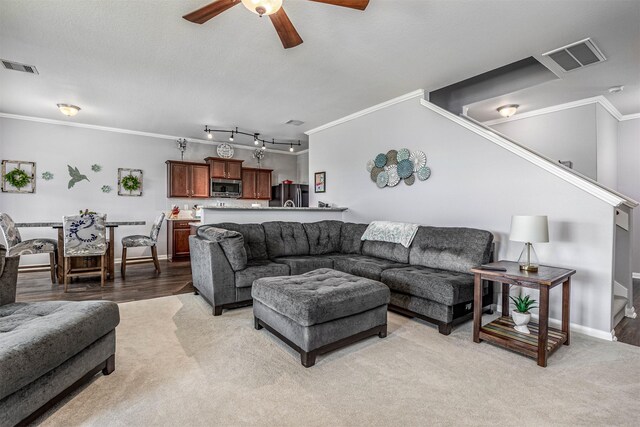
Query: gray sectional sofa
{"points": [[429, 280], [47, 349]]}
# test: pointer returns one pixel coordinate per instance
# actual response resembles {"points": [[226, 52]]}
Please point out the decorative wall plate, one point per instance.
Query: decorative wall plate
{"points": [[410, 180], [370, 165], [381, 160], [403, 154], [419, 160], [405, 168], [392, 157], [394, 179], [225, 150], [375, 172], [424, 173], [382, 180]]}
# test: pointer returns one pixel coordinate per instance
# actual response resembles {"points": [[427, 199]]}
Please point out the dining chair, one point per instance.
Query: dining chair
{"points": [[139, 240], [84, 236], [18, 247]]}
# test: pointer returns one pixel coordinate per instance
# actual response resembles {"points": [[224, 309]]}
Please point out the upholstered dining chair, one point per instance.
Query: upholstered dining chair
{"points": [[139, 240], [18, 247], [84, 236]]}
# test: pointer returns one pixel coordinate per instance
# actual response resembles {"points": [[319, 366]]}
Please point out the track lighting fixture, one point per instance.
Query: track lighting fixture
{"points": [[256, 137]]}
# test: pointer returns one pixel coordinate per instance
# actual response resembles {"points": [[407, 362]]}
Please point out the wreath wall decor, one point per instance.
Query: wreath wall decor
{"points": [[18, 176], [129, 182]]}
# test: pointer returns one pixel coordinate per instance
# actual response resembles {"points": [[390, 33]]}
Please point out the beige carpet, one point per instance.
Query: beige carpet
{"points": [[177, 365]]}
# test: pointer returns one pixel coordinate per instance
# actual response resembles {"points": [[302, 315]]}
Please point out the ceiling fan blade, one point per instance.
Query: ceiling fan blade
{"points": [[287, 32], [207, 12], [353, 4]]}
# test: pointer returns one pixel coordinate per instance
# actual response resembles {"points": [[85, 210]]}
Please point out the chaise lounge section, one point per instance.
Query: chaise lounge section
{"points": [[429, 280]]}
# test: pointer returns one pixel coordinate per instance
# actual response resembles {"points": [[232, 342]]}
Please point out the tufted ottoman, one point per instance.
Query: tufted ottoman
{"points": [[321, 310]]}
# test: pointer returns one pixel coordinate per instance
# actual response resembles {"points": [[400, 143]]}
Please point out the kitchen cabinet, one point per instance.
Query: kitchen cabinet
{"points": [[178, 232], [256, 183], [225, 168], [187, 179]]}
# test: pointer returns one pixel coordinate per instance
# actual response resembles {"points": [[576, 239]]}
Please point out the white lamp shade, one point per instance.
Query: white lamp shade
{"points": [[529, 228]]}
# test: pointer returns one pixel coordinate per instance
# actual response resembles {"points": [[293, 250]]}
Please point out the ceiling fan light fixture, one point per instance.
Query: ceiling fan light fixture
{"points": [[263, 7], [508, 110], [68, 109]]}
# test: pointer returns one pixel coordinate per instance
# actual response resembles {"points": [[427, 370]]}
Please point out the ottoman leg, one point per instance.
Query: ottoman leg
{"points": [[308, 359], [256, 323], [383, 331]]}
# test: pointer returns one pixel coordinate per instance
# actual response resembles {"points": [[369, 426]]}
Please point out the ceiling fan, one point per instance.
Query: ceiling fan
{"points": [[273, 9]]}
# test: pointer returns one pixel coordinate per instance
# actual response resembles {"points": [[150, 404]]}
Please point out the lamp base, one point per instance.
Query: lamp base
{"points": [[528, 259], [529, 267]]}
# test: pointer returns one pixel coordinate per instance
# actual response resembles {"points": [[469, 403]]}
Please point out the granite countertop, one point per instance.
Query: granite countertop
{"points": [[272, 208]]}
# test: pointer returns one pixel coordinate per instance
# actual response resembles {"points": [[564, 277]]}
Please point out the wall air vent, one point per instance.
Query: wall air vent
{"points": [[576, 55], [294, 122], [15, 66]]}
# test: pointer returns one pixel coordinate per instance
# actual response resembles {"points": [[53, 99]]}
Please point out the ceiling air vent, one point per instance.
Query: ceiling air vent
{"points": [[15, 66], [576, 55], [294, 122]]}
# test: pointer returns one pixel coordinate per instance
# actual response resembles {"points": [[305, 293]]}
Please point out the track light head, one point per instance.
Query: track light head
{"points": [[231, 137], [209, 135]]}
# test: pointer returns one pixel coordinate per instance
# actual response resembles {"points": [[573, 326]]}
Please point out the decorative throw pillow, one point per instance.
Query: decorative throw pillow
{"points": [[231, 242]]}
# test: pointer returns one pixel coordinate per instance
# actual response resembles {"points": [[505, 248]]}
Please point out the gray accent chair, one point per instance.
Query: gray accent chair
{"points": [[139, 240], [17, 247], [429, 280], [47, 349], [84, 236]]}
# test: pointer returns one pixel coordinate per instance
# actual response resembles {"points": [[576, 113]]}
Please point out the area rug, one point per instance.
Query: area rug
{"points": [[177, 365]]}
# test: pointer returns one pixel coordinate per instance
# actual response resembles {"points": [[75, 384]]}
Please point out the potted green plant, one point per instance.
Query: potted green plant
{"points": [[520, 315]]}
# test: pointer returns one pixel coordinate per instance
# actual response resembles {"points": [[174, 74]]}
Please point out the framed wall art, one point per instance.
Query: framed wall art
{"points": [[129, 182], [18, 176], [320, 182]]}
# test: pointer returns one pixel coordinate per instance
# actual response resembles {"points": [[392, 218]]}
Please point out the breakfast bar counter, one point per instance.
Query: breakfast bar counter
{"points": [[247, 214]]}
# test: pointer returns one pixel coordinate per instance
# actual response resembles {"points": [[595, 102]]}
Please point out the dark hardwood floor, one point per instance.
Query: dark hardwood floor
{"points": [[628, 330], [142, 282]]}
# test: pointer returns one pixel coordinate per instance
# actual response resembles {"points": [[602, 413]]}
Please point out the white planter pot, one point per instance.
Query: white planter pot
{"points": [[521, 320]]}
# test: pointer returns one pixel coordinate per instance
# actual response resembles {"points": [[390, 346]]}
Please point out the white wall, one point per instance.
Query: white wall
{"points": [[563, 135], [53, 147], [474, 183], [607, 150], [629, 175], [303, 168]]}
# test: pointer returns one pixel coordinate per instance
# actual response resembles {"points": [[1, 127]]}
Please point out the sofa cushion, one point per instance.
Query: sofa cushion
{"points": [[362, 265], [254, 238], [351, 238], [231, 242], [305, 263], [285, 239], [37, 337], [323, 236], [257, 269], [453, 249], [445, 287], [386, 250], [320, 295]]}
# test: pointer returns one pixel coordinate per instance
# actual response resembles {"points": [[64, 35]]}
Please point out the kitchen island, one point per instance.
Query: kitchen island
{"points": [[248, 215]]}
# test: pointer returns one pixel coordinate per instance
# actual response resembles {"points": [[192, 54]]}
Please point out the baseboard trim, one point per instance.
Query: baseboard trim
{"points": [[133, 260], [581, 329]]}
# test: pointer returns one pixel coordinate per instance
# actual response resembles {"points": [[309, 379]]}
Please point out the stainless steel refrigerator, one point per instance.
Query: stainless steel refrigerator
{"points": [[297, 193]]}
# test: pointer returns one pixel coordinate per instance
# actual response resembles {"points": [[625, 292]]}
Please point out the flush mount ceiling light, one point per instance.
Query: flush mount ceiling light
{"points": [[508, 110], [616, 89], [68, 109]]}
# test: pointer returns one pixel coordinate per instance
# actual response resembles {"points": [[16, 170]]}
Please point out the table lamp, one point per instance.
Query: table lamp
{"points": [[529, 229]]}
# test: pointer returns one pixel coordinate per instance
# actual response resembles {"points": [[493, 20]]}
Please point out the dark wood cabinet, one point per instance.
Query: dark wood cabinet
{"points": [[178, 232], [256, 184], [187, 179], [224, 168]]}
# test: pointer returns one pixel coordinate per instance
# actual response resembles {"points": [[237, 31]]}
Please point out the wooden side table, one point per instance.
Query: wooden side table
{"points": [[543, 340]]}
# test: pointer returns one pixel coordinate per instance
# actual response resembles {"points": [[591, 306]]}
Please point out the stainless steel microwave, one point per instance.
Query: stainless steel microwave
{"points": [[228, 188]]}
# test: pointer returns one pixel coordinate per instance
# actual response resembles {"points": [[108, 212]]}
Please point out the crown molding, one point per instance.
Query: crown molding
{"points": [[401, 98], [603, 101], [137, 133], [607, 195]]}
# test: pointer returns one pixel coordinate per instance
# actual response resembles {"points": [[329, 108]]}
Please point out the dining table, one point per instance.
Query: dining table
{"points": [[110, 225]]}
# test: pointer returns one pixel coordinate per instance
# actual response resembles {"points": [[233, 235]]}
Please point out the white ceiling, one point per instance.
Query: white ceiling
{"points": [[138, 65]]}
